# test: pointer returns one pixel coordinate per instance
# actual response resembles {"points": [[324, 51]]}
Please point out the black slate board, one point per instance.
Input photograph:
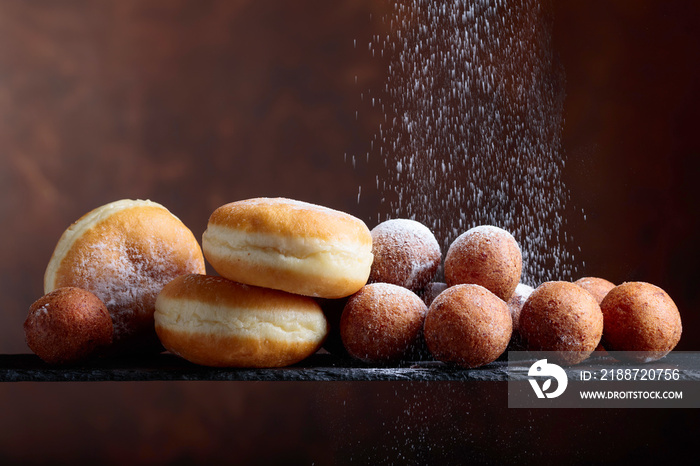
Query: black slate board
{"points": [[319, 367]]}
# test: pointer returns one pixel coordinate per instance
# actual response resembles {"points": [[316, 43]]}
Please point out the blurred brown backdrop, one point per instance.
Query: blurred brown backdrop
{"points": [[193, 104]]}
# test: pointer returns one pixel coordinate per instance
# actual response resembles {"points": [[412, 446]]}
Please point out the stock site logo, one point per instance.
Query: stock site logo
{"points": [[541, 369]]}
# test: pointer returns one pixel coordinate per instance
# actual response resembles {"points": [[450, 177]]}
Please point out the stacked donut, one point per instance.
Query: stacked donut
{"points": [[482, 308], [103, 279], [274, 257], [130, 277]]}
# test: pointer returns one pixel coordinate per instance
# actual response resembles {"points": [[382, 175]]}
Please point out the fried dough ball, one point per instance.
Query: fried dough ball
{"points": [[641, 320], [488, 256]]}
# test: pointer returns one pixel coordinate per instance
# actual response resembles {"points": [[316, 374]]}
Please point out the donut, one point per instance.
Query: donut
{"points": [[598, 287], [67, 325], [563, 318], [642, 323], [485, 255], [467, 325], [289, 245], [515, 305], [216, 322], [406, 253], [382, 323], [125, 252]]}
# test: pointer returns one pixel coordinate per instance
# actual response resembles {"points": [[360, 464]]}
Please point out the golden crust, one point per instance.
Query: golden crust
{"points": [[382, 322], [216, 322], [488, 256], [642, 320], [288, 217], [467, 325], [561, 317], [124, 253], [289, 245], [67, 325], [234, 351]]}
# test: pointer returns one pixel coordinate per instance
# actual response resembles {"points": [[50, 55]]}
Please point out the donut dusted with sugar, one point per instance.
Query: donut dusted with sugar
{"points": [[216, 322], [488, 256], [125, 252], [289, 245], [467, 325], [563, 318], [382, 322], [406, 254]]}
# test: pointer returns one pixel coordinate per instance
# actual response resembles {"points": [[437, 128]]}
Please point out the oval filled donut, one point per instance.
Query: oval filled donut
{"points": [[216, 322], [289, 245], [125, 252]]}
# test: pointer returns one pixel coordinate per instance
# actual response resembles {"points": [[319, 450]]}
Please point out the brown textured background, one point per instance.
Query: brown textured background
{"points": [[193, 104]]}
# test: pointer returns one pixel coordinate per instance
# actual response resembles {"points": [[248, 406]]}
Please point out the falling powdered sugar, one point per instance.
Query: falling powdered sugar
{"points": [[472, 118]]}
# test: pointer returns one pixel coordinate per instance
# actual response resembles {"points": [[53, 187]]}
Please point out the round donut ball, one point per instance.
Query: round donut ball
{"points": [[563, 318], [515, 305], [216, 322], [289, 245], [67, 325], [598, 287], [382, 322], [467, 325], [125, 252], [488, 256], [641, 320], [406, 253]]}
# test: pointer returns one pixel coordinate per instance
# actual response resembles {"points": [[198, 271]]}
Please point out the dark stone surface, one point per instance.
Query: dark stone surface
{"points": [[319, 367]]}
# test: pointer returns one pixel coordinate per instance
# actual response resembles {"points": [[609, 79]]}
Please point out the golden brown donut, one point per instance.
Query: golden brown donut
{"points": [[563, 318], [382, 322], [467, 325], [289, 245], [125, 252], [216, 322], [67, 325], [406, 253], [598, 287], [485, 255], [642, 323]]}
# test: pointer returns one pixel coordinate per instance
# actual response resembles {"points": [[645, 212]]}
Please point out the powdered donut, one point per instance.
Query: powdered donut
{"points": [[467, 325], [67, 326], [125, 252], [563, 318], [217, 322], [406, 253], [289, 245], [641, 320], [382, 322], [488, 256]]}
